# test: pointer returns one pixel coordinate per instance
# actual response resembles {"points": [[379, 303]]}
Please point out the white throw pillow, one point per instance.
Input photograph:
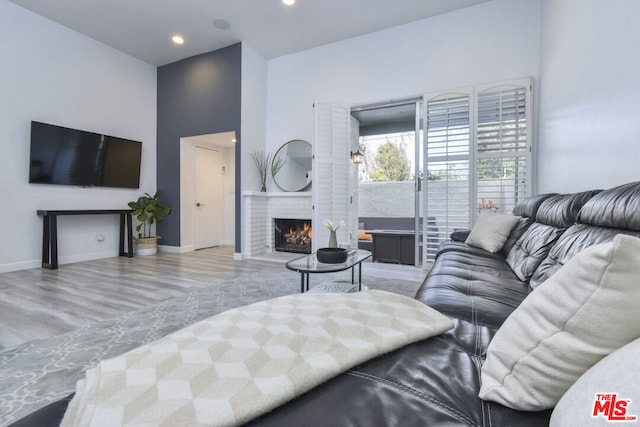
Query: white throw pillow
{"points": [[491, 231], [619, 374], [585, 311]]}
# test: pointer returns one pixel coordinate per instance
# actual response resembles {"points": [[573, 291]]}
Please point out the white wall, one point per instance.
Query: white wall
{"points": [[492, 41], [52, 74], [589, 120], [253, 127]]}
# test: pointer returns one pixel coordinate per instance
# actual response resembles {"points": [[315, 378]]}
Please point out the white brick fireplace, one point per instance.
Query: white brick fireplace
{"points": [[260, 211]]}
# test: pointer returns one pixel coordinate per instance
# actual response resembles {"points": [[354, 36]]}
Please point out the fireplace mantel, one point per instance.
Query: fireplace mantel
{"points": [[277, 194], [260, 210]]}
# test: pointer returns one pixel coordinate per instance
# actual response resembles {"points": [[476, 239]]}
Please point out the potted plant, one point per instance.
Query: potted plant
{"points": [[148, 209]]}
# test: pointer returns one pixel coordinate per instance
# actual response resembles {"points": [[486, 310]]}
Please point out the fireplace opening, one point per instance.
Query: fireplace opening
{"points": [[292, 235]]}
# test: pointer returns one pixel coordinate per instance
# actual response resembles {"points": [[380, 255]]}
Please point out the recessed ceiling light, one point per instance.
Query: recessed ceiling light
{"points": [[177, 39], [289, 2]]}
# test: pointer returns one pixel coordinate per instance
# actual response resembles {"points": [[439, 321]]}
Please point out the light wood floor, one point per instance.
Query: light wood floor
{"points": [[41, 303]]}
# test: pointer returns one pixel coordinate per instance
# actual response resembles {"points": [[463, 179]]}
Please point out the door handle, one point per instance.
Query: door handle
{"points": [[199, 204]]}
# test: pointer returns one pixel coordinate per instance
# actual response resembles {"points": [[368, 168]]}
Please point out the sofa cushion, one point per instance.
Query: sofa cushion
{"points": [[491, 231], [532, 247], [561, 210], [527, 210], [528, 207], [618, 207], [619, 372], [602, 216], [439, 388], [582, 313], [364, 235], [484, 294], [572, 241], [555, 214]]}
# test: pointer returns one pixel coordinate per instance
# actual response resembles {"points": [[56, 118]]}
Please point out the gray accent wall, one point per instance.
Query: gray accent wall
{"points": [[196, 96]]}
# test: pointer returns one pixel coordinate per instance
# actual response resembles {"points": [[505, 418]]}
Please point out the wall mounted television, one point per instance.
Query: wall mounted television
{"points": [[65, 156]]}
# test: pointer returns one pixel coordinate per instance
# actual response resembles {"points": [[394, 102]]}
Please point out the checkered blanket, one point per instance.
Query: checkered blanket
{"points": [[237, 365]]}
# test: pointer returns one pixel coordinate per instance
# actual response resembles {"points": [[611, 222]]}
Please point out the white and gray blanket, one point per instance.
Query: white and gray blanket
{"points": [[237, 365]]}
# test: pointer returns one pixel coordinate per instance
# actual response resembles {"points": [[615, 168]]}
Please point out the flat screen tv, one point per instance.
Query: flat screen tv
{"points": [[65, 156]]}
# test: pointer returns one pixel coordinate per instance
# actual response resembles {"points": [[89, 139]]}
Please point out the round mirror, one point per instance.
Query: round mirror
{"points": [[291, 166]]}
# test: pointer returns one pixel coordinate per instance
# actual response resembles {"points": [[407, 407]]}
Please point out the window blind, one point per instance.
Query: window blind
{"points": [[477, 155], [503, 147], [447, 159]]}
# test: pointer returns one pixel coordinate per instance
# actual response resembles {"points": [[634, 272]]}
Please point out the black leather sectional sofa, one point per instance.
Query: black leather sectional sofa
{"points": [[436, 381]]}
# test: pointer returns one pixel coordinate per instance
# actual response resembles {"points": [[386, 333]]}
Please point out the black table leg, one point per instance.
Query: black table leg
{"points": [[301, 283], [121, 243], [50, 242], [359, 276], [129, 236], [126, 227]]}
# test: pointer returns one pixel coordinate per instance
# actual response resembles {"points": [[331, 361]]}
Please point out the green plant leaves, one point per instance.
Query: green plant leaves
{"points": [[148, 209]]}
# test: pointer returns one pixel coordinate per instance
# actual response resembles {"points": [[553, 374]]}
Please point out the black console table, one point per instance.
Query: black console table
{"points": [[50, 232]]}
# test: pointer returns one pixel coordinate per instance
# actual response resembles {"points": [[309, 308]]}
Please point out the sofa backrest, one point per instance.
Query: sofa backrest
{"points": [[526, 209], [555, 214], [604, 215]]}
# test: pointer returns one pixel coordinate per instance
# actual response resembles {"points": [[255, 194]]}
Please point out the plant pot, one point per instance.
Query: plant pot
{"points": [[146, 245], [332, 255]]}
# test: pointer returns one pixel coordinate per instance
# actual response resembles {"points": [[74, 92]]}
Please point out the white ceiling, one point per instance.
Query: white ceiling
{"points": [[143, 28]]}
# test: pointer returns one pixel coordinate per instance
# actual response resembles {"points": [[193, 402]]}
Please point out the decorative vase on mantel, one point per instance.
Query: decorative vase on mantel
{"points": [[333, 240]]}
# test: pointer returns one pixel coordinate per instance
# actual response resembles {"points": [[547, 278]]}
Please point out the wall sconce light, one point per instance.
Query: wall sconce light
{"points": [[357, 157]]}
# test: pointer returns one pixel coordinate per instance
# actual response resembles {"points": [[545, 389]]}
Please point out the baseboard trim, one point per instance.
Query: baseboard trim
{"points": [[176, 249], [62, 260], [17, 266]]}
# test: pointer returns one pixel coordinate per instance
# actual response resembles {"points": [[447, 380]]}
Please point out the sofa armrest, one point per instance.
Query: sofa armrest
{"points": [[460, 235]]}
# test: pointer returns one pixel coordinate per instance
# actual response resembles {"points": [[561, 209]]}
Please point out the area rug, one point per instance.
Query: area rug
{"points": [[40, 372]]}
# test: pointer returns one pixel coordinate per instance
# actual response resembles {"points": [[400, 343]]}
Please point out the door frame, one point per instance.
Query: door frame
{"points": [[223, 142], [418, 193]]}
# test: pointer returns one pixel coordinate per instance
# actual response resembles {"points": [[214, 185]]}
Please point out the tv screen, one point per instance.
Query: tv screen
{"points": [[65, 156]]}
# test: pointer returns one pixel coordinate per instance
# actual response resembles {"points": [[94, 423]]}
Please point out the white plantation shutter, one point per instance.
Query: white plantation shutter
{"points": [[354, 142], [477, 155], [331, 172], [447, 158], [503, 157]]}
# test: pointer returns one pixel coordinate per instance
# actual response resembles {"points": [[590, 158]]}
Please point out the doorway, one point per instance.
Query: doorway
{"points": [[207, 191], [389, 180]]}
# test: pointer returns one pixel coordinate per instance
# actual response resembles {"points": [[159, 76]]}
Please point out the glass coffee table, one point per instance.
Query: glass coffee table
{"points": [[308, 264]]}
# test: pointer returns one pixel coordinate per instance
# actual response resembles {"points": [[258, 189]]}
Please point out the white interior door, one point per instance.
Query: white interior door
{"points": [[208, 197]]}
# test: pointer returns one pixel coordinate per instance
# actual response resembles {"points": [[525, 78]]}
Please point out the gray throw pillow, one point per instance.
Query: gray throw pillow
{"points": [[491, 231]]}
